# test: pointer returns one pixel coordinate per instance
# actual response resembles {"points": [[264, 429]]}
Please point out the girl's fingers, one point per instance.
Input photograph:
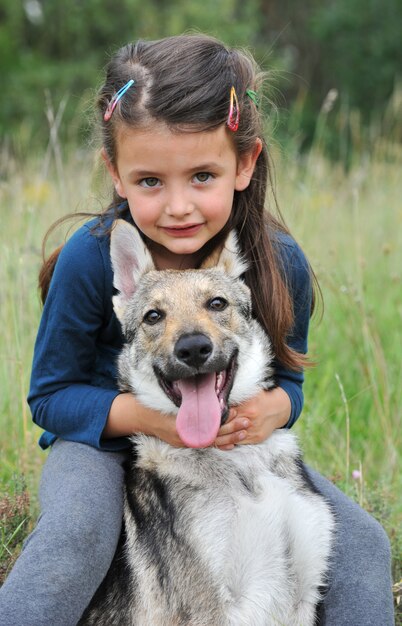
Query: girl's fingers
{"points": [[231, 439], [232, 415], [232, 433], [234, 425]]}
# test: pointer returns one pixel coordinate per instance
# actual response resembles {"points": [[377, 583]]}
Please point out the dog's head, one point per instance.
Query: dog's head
{"points": [[192, 345]]}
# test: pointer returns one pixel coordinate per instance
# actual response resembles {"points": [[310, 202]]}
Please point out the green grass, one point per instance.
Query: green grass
{"points": [[350, 226], [14, 523], [351, 229]]}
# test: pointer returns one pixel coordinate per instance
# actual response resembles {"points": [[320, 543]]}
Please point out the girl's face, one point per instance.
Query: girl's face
{"points": [[179, 187]]}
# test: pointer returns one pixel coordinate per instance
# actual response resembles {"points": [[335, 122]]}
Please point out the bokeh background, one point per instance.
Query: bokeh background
{"points": [[334, 128], [56, 49]]}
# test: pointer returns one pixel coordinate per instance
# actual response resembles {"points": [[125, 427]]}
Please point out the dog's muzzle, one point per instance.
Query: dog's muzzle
{"points": [[202, 398]]}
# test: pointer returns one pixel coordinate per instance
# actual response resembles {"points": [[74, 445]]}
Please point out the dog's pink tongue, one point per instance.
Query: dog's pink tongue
{"points": [[199, 416]]}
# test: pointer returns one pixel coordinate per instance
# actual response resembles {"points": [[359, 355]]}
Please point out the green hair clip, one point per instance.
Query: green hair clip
{"points": [[253, 96]]}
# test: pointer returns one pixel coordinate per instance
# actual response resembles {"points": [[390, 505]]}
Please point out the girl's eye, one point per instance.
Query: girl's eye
{"points": [[153, 317], [218, 304], [149, 182], [202, 177]]}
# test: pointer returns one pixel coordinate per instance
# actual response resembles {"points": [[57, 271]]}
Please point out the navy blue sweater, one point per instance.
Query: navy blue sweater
{"points": [[73, 381]]}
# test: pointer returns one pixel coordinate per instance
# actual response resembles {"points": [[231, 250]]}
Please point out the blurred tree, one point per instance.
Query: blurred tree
{"points": [[60, 47], [284, 26], [347, 47], [361, 49]]}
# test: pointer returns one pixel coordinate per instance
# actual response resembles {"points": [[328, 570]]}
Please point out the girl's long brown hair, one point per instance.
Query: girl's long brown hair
{"points": [[185, 82]]}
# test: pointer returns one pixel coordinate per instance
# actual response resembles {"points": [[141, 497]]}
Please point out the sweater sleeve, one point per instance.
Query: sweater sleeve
{"points": [[298, 277], [70, 394]]}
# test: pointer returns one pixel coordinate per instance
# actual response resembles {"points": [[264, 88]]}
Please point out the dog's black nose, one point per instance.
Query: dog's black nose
{"points": [[193, 349]]}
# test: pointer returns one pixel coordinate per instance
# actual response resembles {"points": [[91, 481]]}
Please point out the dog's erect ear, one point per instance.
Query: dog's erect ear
{"points": [[130, 260], [229, 258]]}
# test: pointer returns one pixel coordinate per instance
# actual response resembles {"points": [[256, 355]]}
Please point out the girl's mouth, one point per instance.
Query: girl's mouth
{"points": [[186, 230]]}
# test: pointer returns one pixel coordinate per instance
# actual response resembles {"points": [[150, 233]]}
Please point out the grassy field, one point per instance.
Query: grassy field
{"points": [[350, 226]]}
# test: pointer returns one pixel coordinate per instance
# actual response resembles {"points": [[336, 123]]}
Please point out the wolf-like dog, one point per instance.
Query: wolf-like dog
{"points": [[211, 537]]}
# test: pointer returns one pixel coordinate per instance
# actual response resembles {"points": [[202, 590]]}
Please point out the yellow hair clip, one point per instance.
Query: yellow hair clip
{"points": [[234, 111]]}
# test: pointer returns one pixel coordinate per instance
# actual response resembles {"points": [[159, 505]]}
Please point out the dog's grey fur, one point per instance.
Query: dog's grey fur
{"points": [[212, 538]]}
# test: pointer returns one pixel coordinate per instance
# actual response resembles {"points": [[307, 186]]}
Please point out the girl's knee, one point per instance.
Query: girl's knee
{"points": [[377, 539], [359, 537], [363, 529], [362, 551]]}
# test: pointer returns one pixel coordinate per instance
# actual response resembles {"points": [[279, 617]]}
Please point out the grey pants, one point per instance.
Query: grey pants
{"points": [[70, 550]]}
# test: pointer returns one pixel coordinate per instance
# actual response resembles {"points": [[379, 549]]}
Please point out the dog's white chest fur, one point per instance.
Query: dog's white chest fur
{"points": [[244, 536]]}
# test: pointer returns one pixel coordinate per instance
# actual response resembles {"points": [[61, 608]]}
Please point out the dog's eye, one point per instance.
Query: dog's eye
{"points": [[153, 316], [217, 304]]}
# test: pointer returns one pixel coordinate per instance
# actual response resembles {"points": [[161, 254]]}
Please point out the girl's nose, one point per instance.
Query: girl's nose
{"points": [[179, 205]]}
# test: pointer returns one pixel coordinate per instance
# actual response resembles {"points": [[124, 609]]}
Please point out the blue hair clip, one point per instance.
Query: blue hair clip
{"points": [[112, 104]]}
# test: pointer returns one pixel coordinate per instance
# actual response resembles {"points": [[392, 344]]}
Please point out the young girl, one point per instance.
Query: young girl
{"points": [[183, 143]]}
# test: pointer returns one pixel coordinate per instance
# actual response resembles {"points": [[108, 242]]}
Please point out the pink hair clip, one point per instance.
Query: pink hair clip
{"points": [[234, 111], [112, 104]]}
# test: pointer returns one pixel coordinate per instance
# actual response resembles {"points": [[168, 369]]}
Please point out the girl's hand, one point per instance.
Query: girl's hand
{"points": [[252, 421], [128, 416], [255, 420]]}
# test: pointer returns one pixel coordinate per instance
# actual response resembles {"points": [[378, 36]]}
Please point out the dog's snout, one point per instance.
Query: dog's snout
{"points": [[193, 350]]}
